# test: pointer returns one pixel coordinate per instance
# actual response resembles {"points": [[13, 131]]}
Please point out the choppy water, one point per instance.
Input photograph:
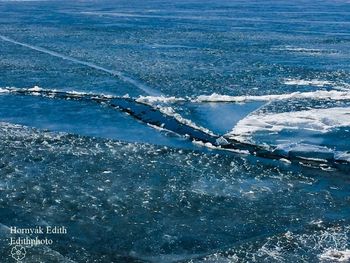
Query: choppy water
{"points": [[275, 74]]}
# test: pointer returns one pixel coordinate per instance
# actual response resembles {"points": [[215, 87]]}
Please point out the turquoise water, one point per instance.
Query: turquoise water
{"points": [[272, 73]]}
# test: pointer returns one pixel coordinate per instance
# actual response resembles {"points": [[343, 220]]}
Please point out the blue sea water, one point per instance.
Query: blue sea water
{"points": [[272, 73]]}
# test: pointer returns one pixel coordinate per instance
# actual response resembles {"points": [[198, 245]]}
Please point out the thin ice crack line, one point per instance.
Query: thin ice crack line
{"points": [[119, 74]]}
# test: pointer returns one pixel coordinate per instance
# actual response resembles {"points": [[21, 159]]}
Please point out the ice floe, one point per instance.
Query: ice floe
{"points": [[321, 120]]}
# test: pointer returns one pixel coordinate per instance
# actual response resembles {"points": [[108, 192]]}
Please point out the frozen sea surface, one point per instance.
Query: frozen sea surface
{"points": [[274, 74], [130, 202]]}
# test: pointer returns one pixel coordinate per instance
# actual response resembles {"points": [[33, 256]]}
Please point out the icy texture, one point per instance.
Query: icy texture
{"points": [[163, 205], [321, 120], [180, 49], [167, 202]]}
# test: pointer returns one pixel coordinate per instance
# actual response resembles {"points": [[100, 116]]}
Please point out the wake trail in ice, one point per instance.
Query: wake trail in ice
{"points": [[119, 74]]}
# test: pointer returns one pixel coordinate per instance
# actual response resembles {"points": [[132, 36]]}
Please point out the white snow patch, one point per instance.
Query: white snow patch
{"points": [[321, 120]]}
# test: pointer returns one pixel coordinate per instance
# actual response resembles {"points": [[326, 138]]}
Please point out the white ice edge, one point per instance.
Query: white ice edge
{"points": [[319, 94], [36, 90], [153, 99]]}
